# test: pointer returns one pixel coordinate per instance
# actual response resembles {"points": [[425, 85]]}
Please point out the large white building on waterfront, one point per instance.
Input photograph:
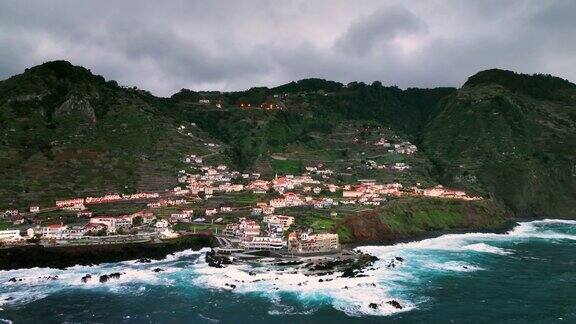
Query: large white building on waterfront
{"points": [[262, 243], [313, 243]]}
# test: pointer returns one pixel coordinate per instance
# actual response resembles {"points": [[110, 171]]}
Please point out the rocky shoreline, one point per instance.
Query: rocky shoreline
{"points": [[60, 257], [30, 256], [355, 264]]}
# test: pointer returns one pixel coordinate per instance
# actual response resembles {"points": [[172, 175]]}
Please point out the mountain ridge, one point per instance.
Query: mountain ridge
{"points": [[502, 134]]}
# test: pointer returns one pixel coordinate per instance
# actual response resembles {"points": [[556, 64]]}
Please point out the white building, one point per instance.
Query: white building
{"points": [[10, 235], [316, 243], [268, 210], [262, 243], [53, 231], [162, 223], [73, 233], [285, 221], [249, 227], [113, 224]]}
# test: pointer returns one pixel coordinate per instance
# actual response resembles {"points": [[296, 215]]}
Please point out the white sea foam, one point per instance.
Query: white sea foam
{"points": [[453, 266], [37, 283], [447, 255], [540, 230], [350, 295], [477, 241], [483, 247]]}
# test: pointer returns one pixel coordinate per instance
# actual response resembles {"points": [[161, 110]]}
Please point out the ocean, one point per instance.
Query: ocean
{"points": [[527, 275]]}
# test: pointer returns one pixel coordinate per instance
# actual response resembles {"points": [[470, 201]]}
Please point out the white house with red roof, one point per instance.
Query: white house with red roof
{"points": [[249, 227]]}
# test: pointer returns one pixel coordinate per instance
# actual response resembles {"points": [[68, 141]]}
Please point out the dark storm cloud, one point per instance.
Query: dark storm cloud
{"points": [[231, 45]]}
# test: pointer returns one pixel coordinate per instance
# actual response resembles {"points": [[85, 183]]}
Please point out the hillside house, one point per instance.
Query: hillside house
{"points": [[248, 227], [285, 221], [73, 233], [93, 228], [84, 214], [69, 202]]}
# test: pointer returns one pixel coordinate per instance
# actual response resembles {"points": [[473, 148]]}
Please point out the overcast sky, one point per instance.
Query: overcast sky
{"points": [[163, 46]]}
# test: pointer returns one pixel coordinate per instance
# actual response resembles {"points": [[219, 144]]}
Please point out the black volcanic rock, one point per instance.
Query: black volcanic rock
{"points": [[62, 257], [215, 260], [394, 303]]}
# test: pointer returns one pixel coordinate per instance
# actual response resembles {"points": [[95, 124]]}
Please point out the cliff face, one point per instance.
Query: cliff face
{"points": [[409, 218], [75, 111]]}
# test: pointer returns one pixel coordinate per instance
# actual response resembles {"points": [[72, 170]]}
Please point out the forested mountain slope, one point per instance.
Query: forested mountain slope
{"points": [[512, 136], [65, 132]]}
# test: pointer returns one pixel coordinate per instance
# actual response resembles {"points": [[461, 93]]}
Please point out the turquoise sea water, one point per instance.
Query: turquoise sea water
{"points": [[526, 275]]}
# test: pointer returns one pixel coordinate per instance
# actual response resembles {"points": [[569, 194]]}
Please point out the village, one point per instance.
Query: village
{"points": [[244, 211]]}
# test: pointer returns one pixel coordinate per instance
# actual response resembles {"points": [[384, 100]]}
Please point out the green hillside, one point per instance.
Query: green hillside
{"points": [[505, 136], [67, 132], [511, 136], [405, 218]]}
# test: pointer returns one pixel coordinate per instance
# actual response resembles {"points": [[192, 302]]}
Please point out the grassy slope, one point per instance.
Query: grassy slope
{"points": [[409, 217]]}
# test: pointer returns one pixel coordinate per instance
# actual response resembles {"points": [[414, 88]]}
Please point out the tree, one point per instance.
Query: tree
{"points": [[137, 221]]}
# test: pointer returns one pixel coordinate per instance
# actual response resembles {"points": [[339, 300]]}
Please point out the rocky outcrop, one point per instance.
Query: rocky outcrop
{"points": [[105, 278], [217, 261], [350, 267], [394, 303], [144, 260], [75, 110]]}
